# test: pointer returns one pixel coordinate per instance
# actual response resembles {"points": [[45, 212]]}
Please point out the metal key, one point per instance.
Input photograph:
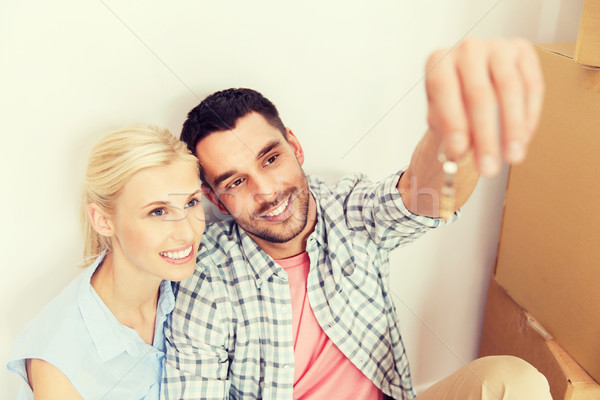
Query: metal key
{"points": [[448, 192]]}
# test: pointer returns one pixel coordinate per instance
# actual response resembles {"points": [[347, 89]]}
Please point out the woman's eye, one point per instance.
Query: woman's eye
{"points": [[157, 212], [192, 203]]}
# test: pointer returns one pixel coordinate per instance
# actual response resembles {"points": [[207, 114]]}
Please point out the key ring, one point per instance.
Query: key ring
{"points": [[448, 191]]}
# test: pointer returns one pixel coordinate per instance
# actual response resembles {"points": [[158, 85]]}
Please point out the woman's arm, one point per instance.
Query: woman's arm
{"points": [[48, 383]]}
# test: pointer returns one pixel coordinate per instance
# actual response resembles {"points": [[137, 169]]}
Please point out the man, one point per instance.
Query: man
{"points": [[290, 300]]}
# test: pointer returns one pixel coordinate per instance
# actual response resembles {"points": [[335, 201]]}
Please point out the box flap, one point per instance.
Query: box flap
{"points": [[566, 49], [507, 330], [587, 49]]}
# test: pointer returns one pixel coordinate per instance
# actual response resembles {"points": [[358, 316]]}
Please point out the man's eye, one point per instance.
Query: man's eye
{"points": [[236, 183], [271, 159], [192, 203], [157, 212]]}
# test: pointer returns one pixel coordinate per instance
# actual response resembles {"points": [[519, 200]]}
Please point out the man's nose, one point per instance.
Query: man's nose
{"points": [[265, 188]]}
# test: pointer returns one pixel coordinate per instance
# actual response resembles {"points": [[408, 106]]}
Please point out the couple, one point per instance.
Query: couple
{"points": [[290, 299]]}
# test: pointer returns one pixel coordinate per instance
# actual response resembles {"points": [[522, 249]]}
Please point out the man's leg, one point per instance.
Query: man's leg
{"points": [[492, 378]]}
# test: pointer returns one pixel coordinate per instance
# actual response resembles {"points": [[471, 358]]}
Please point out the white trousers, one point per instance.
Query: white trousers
{"points": [[491, 378]]}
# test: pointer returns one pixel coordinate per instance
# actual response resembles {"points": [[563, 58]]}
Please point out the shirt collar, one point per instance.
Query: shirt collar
{"points": [[260, 262], [324, 235], [100, 322], [166, 300]]}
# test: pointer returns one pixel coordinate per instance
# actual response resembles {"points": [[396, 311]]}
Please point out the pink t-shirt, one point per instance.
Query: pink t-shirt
{"points": [[321, 371]]}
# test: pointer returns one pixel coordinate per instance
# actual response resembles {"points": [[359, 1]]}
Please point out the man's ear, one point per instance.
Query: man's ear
{"points": [[293, 141], [101, 222], [213, 198]]}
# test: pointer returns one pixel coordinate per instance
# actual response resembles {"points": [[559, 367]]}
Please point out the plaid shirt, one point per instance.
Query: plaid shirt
{"points": [[230, 335]]}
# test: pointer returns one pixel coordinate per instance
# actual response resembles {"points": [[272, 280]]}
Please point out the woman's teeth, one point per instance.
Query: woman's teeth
{"points": [[279, 209], [177, 255]]}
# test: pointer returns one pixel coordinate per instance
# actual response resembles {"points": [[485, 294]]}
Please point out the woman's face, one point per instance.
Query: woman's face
{"points": [[158, 222]]}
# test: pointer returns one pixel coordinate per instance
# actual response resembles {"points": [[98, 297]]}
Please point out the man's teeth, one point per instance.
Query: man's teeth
{"points": [[176, 255], [279, 209]]}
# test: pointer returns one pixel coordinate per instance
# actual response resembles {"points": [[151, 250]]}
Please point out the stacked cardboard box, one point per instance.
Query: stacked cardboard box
{"points": [[510, 329], [548, 262]]}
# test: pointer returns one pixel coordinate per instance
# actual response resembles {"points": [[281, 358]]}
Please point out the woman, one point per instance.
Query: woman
{"points": [[102, 336]]}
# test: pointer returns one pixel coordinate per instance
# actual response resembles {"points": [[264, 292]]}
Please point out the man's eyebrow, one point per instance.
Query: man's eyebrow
{"points": [[223, 176], [265, 150]]}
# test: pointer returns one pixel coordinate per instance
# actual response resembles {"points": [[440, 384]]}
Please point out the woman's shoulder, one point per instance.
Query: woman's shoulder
{"points": [[77, 334], [57, 330]]}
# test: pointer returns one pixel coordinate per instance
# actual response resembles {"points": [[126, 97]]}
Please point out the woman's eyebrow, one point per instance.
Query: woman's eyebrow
{"points": [[166, 203]]}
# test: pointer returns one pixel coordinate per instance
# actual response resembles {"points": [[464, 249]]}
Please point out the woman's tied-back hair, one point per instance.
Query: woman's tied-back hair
{"points": [[113, 161]]}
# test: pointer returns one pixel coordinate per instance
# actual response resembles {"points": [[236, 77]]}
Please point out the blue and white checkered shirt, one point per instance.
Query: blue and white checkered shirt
{"points": [[230, 335]]}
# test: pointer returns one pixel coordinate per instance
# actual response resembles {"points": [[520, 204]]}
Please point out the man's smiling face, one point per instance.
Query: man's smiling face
{"points": [[255, 175]]}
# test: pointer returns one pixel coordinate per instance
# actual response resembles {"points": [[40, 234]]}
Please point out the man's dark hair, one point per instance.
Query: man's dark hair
{"points": [[221, 110]]}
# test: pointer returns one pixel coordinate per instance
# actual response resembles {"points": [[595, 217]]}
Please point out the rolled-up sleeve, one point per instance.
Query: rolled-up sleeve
{"points": [[378, 209]]}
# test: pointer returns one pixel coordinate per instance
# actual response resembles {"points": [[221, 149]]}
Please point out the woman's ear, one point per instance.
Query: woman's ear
{"points": [[100, 220]]}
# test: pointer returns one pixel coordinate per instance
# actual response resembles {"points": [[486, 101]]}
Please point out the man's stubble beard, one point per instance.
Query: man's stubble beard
{"points": [[281, 232]]}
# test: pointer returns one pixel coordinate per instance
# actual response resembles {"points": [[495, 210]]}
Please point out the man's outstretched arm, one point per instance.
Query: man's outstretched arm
{"points": [[484, 102]]}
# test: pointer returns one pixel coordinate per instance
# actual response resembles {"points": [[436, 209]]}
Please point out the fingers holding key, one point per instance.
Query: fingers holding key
{"points": [[485, 96], [446, 113], [533, 80], [480, 103]]}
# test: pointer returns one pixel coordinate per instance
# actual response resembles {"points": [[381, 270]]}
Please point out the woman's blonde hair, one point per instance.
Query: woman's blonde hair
{"points": [[112, 162]]}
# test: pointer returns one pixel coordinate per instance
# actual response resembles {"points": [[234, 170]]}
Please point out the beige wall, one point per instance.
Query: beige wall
{"points": [[345, 75]]}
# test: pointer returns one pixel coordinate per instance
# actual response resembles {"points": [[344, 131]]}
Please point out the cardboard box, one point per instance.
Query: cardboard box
{"points": [[509, 330], [587, 50], [549, 251]]}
